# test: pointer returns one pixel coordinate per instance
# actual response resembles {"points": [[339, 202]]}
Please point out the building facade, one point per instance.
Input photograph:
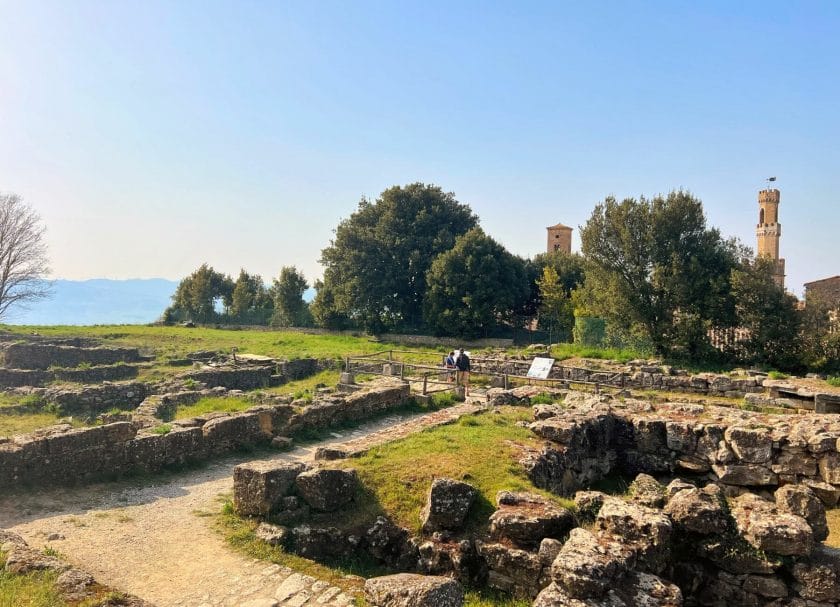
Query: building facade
{"points": [[559, 238]]}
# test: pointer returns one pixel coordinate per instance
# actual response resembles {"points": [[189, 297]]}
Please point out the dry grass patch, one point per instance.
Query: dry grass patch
{"points": [[833, 517]]}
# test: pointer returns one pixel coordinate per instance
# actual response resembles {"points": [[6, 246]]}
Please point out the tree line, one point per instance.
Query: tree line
{"points": [[652, 275]]}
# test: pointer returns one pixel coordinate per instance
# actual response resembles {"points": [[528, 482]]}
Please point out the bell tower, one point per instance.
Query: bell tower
{"points": [[769, 231]]}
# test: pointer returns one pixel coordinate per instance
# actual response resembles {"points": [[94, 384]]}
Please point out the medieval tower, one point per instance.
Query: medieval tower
{"points": [[769, 231], [559, 238]]}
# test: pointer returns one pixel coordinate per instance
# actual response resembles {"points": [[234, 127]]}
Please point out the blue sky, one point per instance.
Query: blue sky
{"points": [[153, 136]]}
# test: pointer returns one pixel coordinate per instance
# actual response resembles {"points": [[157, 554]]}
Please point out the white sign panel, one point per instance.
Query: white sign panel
{"points": [[540, 368]]}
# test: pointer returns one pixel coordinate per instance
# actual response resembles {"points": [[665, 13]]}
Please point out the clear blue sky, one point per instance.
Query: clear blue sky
{"points": [[152, 136]]}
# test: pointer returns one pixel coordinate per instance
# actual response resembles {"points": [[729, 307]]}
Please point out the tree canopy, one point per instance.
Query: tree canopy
{"points": [[290, 310], [655, 266], [375, 267], [474, 286]]}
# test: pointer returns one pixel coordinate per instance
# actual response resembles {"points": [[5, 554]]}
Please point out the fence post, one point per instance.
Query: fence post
{"points": [[347, 364], [506, 381], [425, 379], [597, 388], [402, 371]]}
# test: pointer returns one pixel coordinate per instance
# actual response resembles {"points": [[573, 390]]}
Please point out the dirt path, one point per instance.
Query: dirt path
{"points": [[153, 538]]}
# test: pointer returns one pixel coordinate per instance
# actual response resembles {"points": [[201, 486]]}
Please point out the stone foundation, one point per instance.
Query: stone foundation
{"points": [[44, 356]]}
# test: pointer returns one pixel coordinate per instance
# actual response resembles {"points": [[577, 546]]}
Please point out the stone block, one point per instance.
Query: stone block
{"points": [[327, 490], [447, 505], [259, 486], [411, 590]]}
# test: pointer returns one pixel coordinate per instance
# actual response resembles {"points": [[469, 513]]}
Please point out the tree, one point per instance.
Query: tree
{"points": [[375, 267], [768, 314], [197, 295], [820, 334], [474, 286], [251, 302], [289, 308], [556, 311], [23, 254], [654, 267], [569, 268]]}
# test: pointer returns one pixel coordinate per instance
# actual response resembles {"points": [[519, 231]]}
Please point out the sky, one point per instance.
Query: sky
{"points": [[154, 136]]}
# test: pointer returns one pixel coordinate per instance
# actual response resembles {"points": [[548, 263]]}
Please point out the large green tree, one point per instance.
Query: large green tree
{"points": [[570, 271], [375, 266], [290, 310], [556, 312], [251, 302], [768, 314], [474, 286], [654, 267], [198, 294]]}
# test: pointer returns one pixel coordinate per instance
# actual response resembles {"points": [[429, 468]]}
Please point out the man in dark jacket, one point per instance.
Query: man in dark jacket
{"points": [[463, 365]]}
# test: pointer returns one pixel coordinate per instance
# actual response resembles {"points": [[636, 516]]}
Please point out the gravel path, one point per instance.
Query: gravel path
{"points": [[154, 538]]}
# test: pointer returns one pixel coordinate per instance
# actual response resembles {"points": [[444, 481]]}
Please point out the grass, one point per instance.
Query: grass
{"points": [[396, 476], [834, 381], [32, 590], [328, 377], [161, 429], [777, 375], [488, 598], [563, 351], [833, 517], [176, 342], [29, 422], [213, 404]]}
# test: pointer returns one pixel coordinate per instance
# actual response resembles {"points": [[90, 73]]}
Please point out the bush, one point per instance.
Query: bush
{"points": [[834, 381], [542, 399], [777, 375]]}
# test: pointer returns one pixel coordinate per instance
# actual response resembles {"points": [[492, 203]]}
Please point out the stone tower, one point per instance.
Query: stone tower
{"points": [[559, 238], [769, 231]]}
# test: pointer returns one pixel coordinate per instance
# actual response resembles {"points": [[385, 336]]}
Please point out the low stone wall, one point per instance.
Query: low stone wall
{"points": [[120, 371], [44, 356], [652, 377], [233, 378], [98, 398], [72, 455], [590, 439], [16, 378]]}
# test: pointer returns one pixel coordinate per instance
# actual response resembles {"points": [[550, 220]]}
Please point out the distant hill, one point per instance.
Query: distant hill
{"points": [[101, 301], [98, 302]]}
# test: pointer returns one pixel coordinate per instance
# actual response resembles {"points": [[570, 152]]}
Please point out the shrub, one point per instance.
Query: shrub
{"points": [[542, 399], [443, 399], [834, 381], [777, 375], [162, 429]]}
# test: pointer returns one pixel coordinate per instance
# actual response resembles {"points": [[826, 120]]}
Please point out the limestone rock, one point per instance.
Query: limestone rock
{"points": [[762, 525], [675, 486], [260, 486], [527, 518], [390, 543], [323, 542], [410, 590], [447, 505], [75, 585], [327, 490], [645, 531], [635, 590], [586, 569], [647, 491], [699, 510], [23, 560], [273, 535], [751, 445], [748, 475], [828, 494], [801, 501], [510, 569], [819, 578], [767, 586]]}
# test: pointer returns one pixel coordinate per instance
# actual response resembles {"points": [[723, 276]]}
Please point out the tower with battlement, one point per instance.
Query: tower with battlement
{"points": [[769, 232]]}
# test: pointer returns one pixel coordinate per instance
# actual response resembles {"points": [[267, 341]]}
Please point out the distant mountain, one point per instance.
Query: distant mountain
{"points": [[98, 302], [101, 301]]}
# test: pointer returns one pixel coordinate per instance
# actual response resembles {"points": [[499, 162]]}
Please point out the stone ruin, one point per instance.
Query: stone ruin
{"points": [[741, 520]]}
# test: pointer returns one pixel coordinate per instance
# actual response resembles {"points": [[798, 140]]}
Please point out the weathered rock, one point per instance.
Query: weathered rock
{"points": [[828, 494], [326, 489], [588, 504], [410, 590], [647, 491], [636, 590], [746, 475], [801, 501], [762, 525], [699, 510], [510, 569], [323, 542], [645, 531], [675, 486], [273, 535], [734, 554], [763, 585], [830, 467], [585, 568], [526, 519], [751, 445], [23, 560], [447, 505], [260, 486], [389, 543], [818, 578]]}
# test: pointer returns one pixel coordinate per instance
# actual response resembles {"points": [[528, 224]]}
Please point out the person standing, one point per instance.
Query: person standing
{"points": [[449, 363], [463, 365]]}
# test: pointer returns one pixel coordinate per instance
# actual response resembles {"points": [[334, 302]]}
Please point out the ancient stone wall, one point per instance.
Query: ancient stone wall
{"points": [[97, 398], [44, 356], [248, 377], [66, 455], [736, 448]]}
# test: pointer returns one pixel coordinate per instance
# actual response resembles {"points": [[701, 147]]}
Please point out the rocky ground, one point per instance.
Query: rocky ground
{"points": [[154, 538]]}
